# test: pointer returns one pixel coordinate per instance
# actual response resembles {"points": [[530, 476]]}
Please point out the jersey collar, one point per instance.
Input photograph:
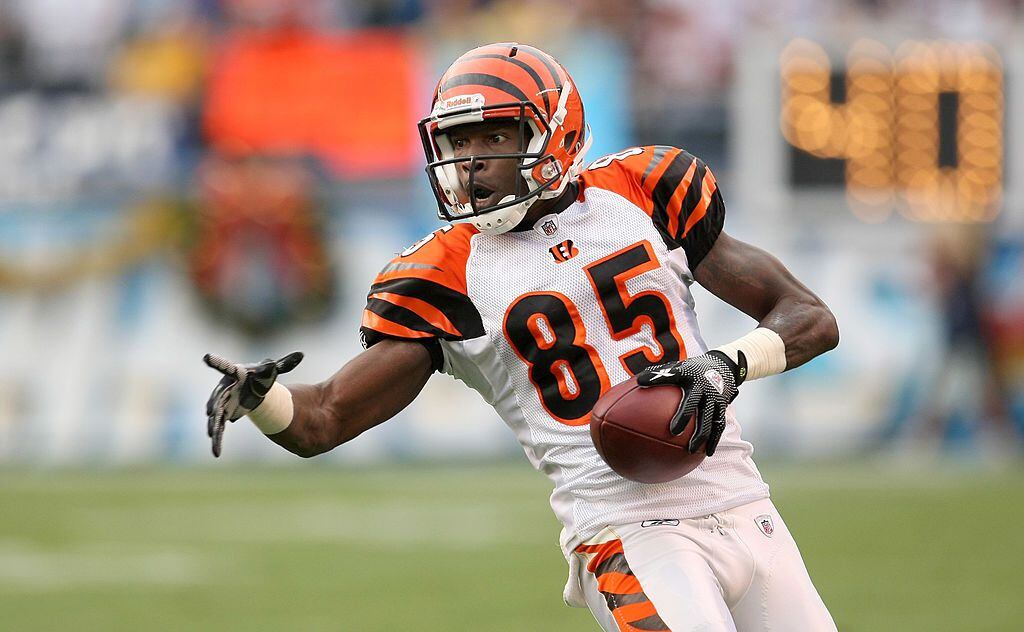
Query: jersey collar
{"points": [[549, 220]]}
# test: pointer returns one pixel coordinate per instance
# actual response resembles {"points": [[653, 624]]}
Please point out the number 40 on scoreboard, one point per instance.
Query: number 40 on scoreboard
{"points": [[918, 129]]}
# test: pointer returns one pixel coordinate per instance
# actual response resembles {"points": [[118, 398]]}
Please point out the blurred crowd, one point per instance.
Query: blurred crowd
{"points": [[680, 53], [237, 136]]}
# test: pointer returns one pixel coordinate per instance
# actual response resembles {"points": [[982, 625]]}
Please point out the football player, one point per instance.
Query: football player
{"points": [[552, 282]]}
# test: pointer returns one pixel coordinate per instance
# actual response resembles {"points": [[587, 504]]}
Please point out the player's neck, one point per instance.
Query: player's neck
{"points": [[547, 207]]}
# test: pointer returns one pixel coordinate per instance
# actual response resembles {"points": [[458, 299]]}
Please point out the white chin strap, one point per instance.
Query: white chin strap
{"points": [[501, 221], [504, 220]]}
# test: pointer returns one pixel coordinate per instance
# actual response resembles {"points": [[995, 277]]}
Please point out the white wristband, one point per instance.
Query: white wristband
{"points": [[274, 413], [764, 350]]}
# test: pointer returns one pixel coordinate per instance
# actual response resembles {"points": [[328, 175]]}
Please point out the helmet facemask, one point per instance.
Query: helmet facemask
{"points": [[537, 171], [505, 80]]}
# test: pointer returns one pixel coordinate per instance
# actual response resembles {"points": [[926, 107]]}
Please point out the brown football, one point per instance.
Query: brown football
{"points": [[629, 426]]}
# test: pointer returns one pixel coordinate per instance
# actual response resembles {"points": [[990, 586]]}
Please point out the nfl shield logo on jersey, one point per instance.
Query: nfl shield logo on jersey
{"points": [[765, 524], [549, 227]]}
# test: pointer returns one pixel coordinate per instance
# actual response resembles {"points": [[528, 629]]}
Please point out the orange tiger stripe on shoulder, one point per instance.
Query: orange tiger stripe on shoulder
{"points": [[422, 292], [621, 173], [440, 257], [675, 203], [708, 188], [641, 175], [389, 328], [672, 186], [422, 308], [661, 160]]}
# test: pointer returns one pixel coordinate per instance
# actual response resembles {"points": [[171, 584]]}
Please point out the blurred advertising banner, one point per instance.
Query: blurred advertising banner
{"points": [[350, 99], [68, 146], [120, 318]]}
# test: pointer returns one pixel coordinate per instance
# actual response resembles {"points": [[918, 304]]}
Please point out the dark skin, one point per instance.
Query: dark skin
{"points": [[381, 381], [499, 137]]}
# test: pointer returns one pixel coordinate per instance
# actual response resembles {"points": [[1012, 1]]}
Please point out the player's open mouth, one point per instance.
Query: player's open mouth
{"points": [[482, 193]]}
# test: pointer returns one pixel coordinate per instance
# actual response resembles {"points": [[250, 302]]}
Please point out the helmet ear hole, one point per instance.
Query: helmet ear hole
{"points": [[570, 136]]}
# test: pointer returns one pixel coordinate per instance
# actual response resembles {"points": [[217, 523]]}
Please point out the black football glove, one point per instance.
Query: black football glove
{"points": [[710, 382], [242, 389]]}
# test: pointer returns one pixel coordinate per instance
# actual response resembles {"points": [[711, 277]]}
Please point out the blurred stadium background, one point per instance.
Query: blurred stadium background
{"points": [[184, 176]]}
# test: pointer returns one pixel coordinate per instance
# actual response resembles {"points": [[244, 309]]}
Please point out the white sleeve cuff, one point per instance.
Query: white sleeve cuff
{"points": [[764, 350], [274, 413]]}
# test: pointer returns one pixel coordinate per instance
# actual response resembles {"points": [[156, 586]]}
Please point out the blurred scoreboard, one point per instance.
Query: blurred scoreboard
{"points": [[919, 129], [908, 127]]}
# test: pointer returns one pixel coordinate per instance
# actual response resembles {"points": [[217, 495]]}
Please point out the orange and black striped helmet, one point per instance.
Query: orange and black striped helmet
{"points": [[506, 80]]}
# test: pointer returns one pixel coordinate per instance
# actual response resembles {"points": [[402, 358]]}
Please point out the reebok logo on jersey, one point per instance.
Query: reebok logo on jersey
{"points": [[564, 251], [661, 522]]}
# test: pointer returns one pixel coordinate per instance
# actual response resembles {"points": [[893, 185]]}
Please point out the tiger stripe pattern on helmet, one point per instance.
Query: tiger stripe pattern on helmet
{"points": [[626, 599], [542, 88], [675, 188], [498, 82], [483, 67]]}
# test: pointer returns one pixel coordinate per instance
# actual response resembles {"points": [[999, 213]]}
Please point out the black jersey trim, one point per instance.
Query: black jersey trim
{"points": [[456, 306], [702, 237], [404, 317], [371, 337]]}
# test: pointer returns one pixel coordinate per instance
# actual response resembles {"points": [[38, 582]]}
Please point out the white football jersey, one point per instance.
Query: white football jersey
{"points": [[542, 321]]}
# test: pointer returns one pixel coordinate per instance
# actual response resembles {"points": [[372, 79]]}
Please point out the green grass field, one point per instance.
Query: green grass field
{"points": [[472, 548]]}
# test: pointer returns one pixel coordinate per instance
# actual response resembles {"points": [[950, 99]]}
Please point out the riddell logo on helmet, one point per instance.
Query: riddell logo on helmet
{"points": [[466, 100]]}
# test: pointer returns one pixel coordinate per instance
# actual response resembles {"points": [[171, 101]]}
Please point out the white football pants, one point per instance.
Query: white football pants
{"points": [[738, 570]]}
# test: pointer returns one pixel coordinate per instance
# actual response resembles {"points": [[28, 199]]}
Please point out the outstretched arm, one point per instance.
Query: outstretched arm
{"points": [[370, 389], [757, 284], [309, 419]]}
